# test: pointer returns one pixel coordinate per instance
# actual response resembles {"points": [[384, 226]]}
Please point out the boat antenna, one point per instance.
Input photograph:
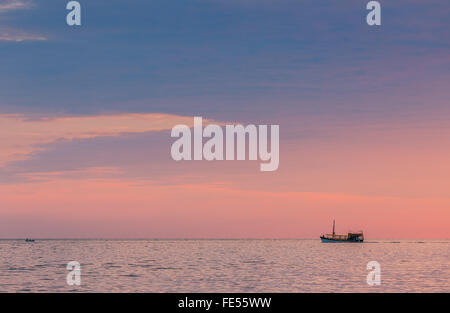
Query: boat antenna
{"points": [[333, 227]]}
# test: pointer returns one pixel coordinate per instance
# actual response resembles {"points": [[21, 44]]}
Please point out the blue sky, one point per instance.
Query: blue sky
{"points": [[223, 59], [314, 67]]}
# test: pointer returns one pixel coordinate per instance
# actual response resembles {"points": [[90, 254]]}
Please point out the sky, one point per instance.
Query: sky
{"points": [[86, 114]]}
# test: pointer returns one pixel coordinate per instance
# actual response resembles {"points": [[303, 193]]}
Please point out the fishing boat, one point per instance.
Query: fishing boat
{"points": [[350, 237], [29, 240]]}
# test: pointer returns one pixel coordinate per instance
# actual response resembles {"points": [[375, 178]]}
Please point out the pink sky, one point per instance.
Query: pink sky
{"points": [[388, 179]]}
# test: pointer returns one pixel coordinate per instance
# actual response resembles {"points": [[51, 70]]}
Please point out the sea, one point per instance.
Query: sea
{"points": [[253, 266]]}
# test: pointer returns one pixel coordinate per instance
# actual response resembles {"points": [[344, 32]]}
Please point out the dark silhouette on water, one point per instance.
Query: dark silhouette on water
{"points": [[350, 237]]}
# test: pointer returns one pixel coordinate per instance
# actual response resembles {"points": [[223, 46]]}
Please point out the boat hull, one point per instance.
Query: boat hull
{"points": [[337, 241]]}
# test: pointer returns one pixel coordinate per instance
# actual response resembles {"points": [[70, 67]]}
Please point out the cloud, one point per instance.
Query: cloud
{"points": [[19, 35], [12, 34], [135, 157], [11, 5], [20, 136]]}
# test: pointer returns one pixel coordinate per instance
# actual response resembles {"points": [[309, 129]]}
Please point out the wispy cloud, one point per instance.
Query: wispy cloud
{"points": [[21, 136], [10, 5], [19, 35], [13, 34]]}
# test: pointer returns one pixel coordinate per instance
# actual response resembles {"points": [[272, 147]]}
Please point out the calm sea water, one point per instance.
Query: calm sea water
{"points": [[224, 265]]}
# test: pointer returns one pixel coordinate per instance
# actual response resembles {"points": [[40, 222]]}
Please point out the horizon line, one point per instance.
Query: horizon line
{"points": [[180, 239]]}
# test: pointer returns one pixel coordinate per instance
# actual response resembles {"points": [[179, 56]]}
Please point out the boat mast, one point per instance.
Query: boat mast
{"points": [[333, 228]]}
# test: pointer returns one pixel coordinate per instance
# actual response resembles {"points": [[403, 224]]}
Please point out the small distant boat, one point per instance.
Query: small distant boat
{"points": [[350, 237], [29, 240]]}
